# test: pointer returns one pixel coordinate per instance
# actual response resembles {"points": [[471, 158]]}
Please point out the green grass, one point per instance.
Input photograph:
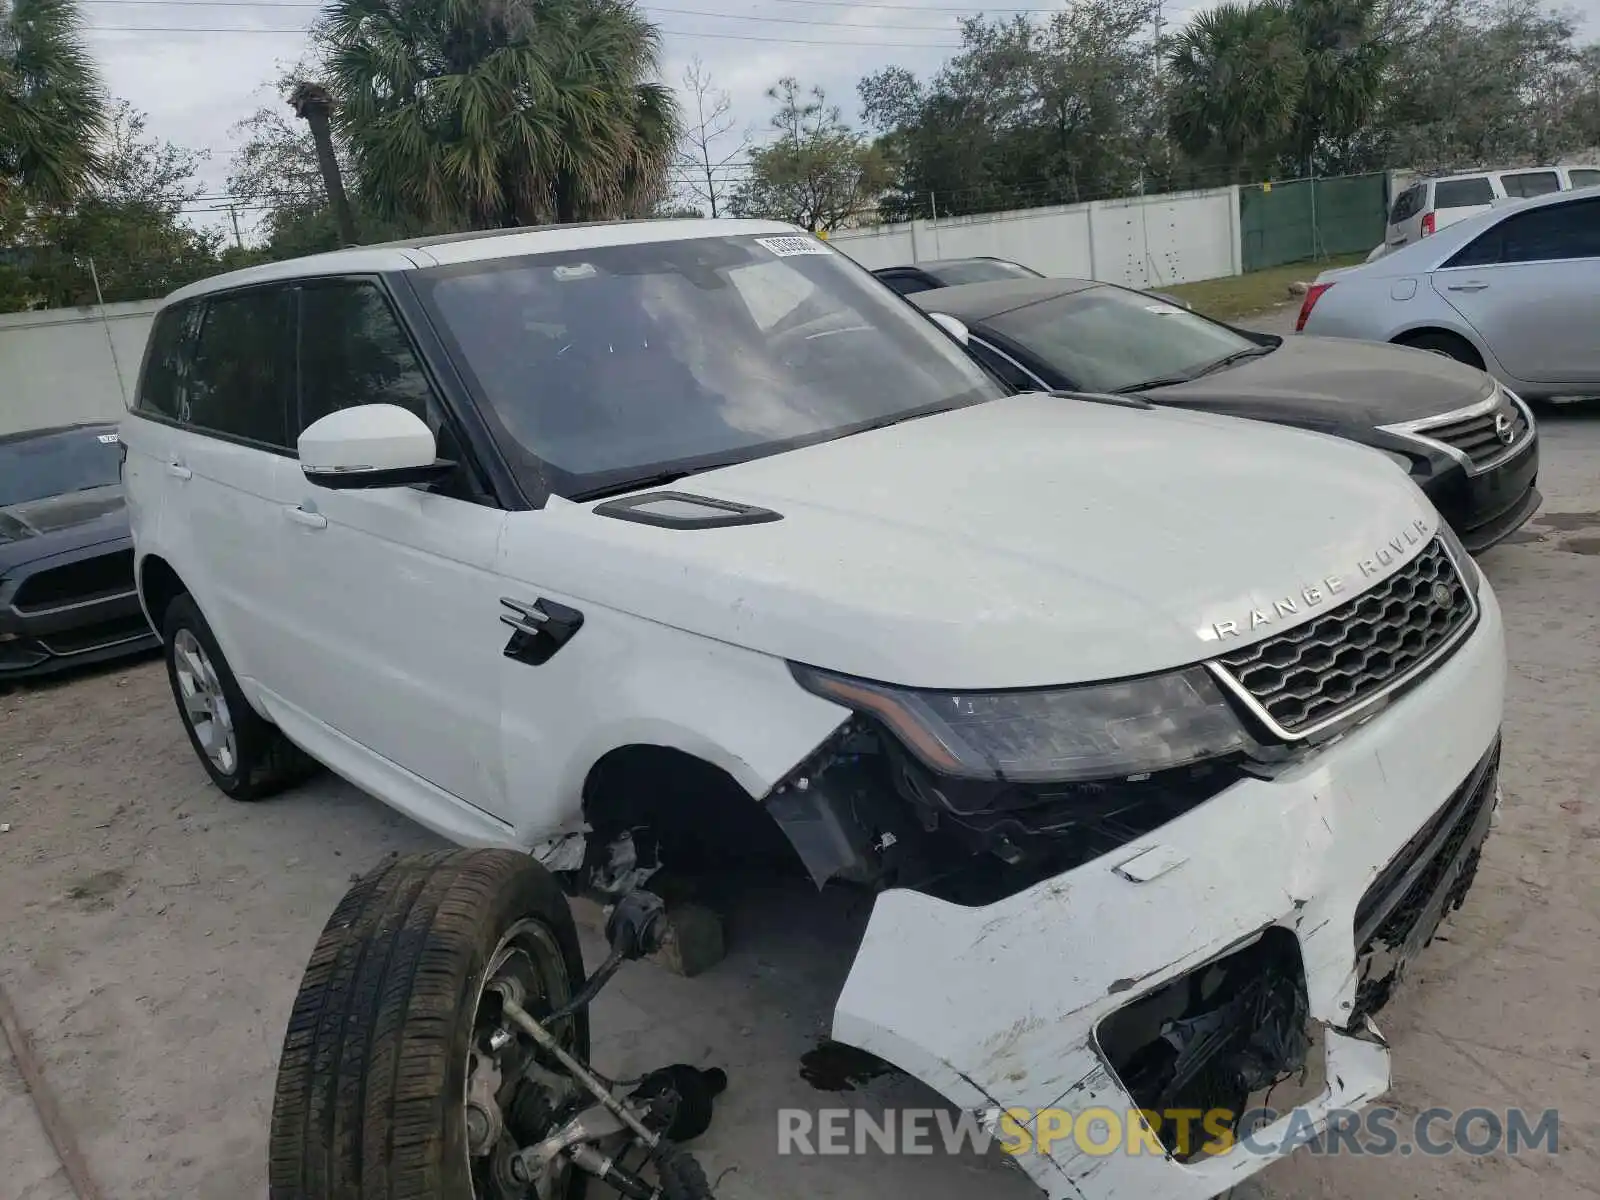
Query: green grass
{"points": [[1240, 295]]}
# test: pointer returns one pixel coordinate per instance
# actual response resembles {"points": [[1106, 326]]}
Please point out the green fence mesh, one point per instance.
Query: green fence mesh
{"points": [[1310, 218]]}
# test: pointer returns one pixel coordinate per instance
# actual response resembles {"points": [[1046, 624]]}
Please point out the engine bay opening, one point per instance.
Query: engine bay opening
{"points": [[1215, 1043]]}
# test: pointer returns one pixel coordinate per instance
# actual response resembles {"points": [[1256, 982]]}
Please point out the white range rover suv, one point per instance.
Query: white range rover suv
{"points": [[1164, 739]]}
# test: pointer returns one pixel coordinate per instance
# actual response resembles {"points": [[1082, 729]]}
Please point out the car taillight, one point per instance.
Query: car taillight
{"points": [[1427, 224], [1313, 294]]}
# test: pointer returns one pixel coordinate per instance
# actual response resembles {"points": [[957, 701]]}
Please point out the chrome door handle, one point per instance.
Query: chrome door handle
{"points": [[179, 471], [1466, 287], [300, 516]]}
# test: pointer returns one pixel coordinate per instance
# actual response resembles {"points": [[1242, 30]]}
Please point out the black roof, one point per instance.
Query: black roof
{"points": [[28, 435], [980, 301]]}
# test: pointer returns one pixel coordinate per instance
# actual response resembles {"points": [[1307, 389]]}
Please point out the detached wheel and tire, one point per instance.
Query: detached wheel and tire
{"points": [[247, 757], [395, 1015]]}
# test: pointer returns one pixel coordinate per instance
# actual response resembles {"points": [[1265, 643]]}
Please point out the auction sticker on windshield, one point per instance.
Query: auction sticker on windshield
{"points": [[783, 247]]}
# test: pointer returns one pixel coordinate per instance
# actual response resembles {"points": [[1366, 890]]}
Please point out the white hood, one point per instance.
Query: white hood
{"points": [[1023, 542]]}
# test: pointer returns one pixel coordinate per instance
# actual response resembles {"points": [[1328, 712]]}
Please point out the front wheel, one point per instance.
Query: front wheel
{"points": [[398, 1078]]}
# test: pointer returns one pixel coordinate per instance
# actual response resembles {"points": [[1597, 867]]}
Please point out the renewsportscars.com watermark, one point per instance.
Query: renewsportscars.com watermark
{"points": [[1379, 1130]]}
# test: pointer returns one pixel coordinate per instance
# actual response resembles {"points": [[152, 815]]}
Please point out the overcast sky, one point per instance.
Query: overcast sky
{"points": [[196, 85]]}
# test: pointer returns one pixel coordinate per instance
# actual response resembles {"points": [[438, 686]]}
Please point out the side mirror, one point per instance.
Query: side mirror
{"points": [[370, 446], [955, 327]]}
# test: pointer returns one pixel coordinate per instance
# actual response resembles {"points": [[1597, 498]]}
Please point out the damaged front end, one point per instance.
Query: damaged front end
{"points": [[1205, 929], [905, 794]]}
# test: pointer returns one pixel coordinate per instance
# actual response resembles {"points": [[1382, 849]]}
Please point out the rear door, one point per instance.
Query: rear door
{"points": [[221, 454], [1530, 286]]}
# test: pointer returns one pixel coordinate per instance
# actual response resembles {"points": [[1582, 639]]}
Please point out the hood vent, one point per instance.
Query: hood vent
{"points": [[681, 510]]}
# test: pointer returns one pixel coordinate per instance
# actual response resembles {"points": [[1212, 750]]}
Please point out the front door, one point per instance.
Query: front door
{"points": [[390, 649]]}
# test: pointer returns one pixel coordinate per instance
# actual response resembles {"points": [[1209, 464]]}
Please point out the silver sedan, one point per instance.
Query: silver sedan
{"points": [[1515, 290]]}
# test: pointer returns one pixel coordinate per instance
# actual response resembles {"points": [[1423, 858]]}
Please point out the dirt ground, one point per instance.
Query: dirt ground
{"points": [[152, 935]]}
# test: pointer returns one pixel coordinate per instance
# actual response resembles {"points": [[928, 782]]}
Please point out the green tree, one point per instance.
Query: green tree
{"points": [[52, 107], [1236, 78], [1346, 57], [127, 228], [1026, 113], [462, 114], [817, 171]]}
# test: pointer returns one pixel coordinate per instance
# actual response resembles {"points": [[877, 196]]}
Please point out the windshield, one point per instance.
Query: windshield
{"points": [[57, 463], [619, 363], [1108, 338], [981, 270]]}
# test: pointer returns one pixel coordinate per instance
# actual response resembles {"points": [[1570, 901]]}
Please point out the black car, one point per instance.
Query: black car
{"points": [[66, 557], [1468, 442], [952, 272]]}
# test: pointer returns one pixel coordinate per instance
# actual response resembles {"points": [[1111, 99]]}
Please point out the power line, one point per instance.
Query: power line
{"points": [[655, 8], [686, 33]]}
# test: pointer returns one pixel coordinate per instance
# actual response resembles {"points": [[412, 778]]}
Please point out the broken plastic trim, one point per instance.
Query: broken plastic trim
{"points": [[1430, 877], [1212, 1037], [864, 810]]}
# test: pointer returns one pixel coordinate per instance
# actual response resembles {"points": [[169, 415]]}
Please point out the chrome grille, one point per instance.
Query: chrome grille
{"points": [[1478, 436], [1315, 672]]}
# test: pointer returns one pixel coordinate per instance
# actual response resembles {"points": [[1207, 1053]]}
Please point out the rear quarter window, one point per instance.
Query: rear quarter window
{"points": [[1584, 177], [1463, 193]]}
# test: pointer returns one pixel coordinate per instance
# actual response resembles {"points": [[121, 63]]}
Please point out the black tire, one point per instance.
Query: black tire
{"points": [[264, 761], [681, 1176], [369, 1099], [1447, 344]]}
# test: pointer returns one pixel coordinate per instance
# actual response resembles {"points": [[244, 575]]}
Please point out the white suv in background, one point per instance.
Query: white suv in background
{"points": [[1429, 205], [673, 542]]}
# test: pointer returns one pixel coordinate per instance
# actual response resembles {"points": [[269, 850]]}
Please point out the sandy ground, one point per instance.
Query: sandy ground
{"points": [[152, 935]]}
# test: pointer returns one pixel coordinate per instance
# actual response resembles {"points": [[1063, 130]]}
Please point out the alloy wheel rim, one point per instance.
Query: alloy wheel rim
{"points": [[205, 707]]}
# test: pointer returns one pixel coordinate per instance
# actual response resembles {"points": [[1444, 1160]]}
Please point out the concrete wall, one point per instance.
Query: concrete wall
{"points": [[58, 366], [1145, 241]]}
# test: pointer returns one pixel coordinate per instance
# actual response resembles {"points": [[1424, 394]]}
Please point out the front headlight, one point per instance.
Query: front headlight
{"points": [[1099, 731]]}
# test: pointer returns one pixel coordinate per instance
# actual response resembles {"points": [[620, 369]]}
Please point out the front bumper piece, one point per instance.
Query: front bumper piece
{"points": [[43, 630], [1354, 853]]}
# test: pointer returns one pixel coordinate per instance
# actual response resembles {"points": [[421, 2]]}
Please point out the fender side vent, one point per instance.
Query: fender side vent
{"points": [[681, 510]]}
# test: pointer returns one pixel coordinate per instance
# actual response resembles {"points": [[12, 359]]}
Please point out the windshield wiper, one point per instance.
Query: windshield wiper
{"points": [[1227, 360], [1188, 376]]}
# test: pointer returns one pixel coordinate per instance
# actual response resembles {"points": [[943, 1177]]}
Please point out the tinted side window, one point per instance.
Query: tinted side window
{"points": [[1459, 193], [1531, 183], [242, 374], [1582, 177], [353, 351], [1561, 231], [1013, 376], [166, 362]]}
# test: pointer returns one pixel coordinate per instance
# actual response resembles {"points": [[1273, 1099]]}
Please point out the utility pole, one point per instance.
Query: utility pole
{"points": [[233, 214], [313, 105]]}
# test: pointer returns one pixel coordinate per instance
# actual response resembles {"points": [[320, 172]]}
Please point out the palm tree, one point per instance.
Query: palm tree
{"points": [[487, 113], [52, 106], [1236, 75]]}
